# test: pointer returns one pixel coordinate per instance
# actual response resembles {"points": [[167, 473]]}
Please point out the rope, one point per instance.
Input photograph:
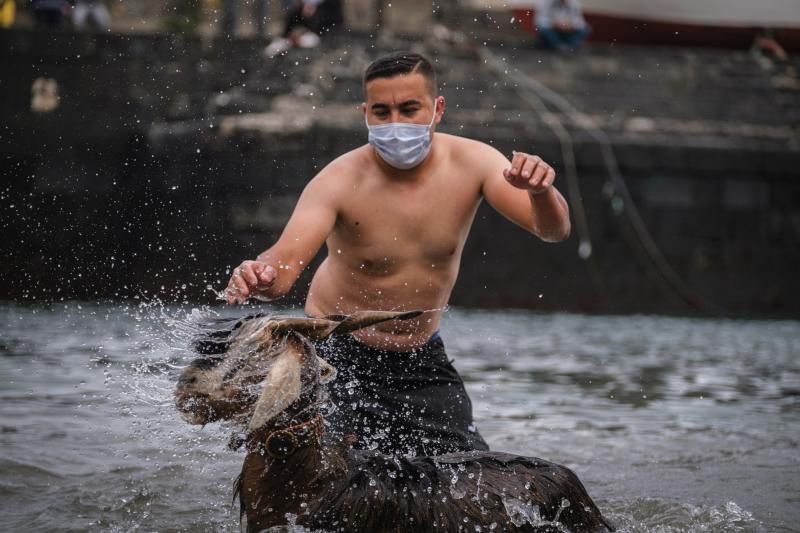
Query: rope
{"points": [[534, 93]]}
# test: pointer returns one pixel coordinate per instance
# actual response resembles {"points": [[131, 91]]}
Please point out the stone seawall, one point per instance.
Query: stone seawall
{"points": [[163, 161]]}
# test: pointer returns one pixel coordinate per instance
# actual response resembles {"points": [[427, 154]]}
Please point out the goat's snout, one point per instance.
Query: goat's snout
{"points": [[327, 372]]}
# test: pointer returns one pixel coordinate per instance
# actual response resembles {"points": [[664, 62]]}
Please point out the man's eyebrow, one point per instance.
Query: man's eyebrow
{"points": [[409, 103]]}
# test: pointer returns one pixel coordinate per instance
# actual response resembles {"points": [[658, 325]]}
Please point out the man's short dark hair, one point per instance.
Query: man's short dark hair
{"points": [[399, 63]]}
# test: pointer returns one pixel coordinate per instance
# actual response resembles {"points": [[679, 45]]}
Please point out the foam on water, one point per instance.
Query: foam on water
{"points": [[658, 516]]}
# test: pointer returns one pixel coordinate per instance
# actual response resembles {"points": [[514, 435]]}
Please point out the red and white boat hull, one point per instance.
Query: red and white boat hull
{"points": [[721, 23]]}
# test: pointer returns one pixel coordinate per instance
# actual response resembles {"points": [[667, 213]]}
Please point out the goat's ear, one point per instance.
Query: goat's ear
{"points": [[279, 389], [327, 372], [364, 319], [312, 328]]}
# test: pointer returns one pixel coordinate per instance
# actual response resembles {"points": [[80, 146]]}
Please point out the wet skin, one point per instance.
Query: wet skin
{"points": [[395, 237]]}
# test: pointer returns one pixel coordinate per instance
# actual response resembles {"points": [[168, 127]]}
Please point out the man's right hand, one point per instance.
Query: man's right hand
{"points": [[248, 279]]}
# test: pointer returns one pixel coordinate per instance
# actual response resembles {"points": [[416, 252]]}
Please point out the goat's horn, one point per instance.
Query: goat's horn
{"points": [[363, 319], [321, 328], [313, 328]]}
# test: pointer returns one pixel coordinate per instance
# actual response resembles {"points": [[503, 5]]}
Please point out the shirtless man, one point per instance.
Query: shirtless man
{"points": [[395, 214]]}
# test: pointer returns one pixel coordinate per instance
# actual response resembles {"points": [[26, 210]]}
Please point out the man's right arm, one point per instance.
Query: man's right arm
{"points": [[274, 271]]}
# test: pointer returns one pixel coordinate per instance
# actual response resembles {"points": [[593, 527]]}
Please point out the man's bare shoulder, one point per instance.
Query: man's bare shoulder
{"points": [[344, 172], [473, 154], [468, 149]]}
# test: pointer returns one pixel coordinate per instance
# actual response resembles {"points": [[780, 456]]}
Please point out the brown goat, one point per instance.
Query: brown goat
{"points": [[263, 372]]}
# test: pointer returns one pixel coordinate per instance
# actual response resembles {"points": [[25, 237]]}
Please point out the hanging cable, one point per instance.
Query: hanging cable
{"points": [[535, 94], [570, 171]]}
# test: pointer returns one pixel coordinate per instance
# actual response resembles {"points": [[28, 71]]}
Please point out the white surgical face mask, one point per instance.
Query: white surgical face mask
{"points": [[402, 145]]}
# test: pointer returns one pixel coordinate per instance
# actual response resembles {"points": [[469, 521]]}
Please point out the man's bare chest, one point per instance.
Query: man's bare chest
{"points": [[428, 224]]}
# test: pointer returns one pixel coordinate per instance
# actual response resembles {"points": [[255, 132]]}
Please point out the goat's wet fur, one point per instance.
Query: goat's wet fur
{"points": [[262, 373]]}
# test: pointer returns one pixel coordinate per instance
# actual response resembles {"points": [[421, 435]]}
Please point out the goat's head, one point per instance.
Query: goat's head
{"points": [[266, 369]]}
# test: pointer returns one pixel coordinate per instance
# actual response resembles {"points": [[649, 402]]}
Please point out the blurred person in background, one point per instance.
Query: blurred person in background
{"points": [[8, 11], [561, 25], [49, 14], [306, 21], [765, 45], [92, 12]]}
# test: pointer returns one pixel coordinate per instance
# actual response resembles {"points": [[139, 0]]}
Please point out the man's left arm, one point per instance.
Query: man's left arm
{"points": [[523, 192]]}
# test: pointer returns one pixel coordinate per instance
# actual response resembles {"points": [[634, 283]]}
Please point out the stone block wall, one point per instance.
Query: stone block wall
{"points": [[168, 160]]}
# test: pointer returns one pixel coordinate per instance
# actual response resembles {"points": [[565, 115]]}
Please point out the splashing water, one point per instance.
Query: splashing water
{"points": [[87, 407], [218, 295], [456, 492], [521, 513]]}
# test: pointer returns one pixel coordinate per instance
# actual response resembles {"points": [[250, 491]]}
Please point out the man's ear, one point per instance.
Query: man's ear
{"points": [[439, 109]]}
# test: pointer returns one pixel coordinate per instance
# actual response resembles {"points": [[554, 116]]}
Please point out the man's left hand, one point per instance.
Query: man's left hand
{"points": [[531, 173]]}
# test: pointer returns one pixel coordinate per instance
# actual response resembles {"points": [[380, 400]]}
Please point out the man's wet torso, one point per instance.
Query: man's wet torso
{"points": [[397, 244]]}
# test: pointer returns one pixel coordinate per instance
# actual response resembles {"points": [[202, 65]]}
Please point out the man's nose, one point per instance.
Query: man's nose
{"points": [[395, 116]]}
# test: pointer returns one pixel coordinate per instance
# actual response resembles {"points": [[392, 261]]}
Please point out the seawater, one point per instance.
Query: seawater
{"points": [[673, 424]]}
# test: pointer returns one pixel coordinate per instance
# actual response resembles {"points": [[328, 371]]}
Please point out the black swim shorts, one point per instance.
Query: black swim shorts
{"points": [[398, 402]]}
